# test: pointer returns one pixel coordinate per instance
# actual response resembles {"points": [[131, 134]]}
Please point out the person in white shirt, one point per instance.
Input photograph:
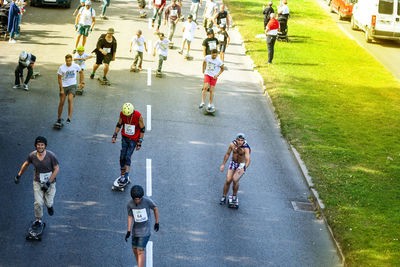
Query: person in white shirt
{"points": [[189, 29], [283, 9], [67, 81], [139, 45], [80, 58], [209, 14], [212, 69], [162, 49], [84, 23]]}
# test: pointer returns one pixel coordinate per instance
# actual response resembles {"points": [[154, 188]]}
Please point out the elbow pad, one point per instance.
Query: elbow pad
{"points": [[142, 130], [119, 125]]}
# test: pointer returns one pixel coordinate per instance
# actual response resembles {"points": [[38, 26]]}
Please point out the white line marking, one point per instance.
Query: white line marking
{"points": [[149, 254], [149, 76], [148, 178], [150, 46], [150, 24], [148, 124]]}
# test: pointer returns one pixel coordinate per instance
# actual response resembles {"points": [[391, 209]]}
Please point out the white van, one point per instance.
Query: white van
{"points": [[379, 19]]}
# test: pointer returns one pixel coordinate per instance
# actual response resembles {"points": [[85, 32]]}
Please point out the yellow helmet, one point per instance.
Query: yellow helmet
{"points": [[80, 48], [127, 109]]}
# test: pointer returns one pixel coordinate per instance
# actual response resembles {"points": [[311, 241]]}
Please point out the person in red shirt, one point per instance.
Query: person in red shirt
{"points": [[132, 125], [271, 31], [157, 11]]}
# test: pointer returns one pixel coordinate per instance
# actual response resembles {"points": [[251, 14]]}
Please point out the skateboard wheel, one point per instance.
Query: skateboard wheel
{"points": [[122, 189]]}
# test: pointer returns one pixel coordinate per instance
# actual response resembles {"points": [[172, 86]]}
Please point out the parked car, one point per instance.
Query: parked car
{"points": [[62, 3], [379, 19], [343, 7]]}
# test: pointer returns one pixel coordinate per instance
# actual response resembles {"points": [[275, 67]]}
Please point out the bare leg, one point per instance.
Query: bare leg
{"points": [[95, 67], [61, 105], [84, 41], [141, 258], [236, 177], [188, 48], [222, 55], [77, 40], [211, 94], [228, 182], [106, 68], [136, 254], [70, 105], [204, 92], [183, 44]]}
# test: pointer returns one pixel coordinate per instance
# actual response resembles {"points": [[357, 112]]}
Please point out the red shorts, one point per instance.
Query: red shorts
{"points": [[210, 80]]}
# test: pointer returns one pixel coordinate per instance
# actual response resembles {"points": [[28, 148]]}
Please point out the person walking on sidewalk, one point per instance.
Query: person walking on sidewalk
{"points": [[13, 21], [106, 3], [139, 216], [189, 29], [212, 69], [105, 53], [209, 14], [172, 14], [267, 12], [157, 12], [133, 129], [84, 23], [44, 178], [210, 43], [194, 9], [161, 46], [240, 161], [67, 81], [271, 32], [139, 46], [26, 60], [222, 18]]}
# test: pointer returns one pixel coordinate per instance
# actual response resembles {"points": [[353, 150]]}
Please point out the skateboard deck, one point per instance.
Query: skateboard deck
{"points": [[35, 74], [134, 70], [35, 233], [188, 57], [102, 82], [58, 125], [117, 187], [232, 204], [209, 112], [159, 75], [144, 15]]}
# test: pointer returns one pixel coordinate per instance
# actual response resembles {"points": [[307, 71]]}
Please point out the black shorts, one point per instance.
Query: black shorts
{"points": [[100, 58], [222, 48]]}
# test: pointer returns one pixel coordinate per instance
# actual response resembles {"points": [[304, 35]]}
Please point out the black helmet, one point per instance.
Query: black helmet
{"points": [[137, 192], [41, 139], [210, 31]]}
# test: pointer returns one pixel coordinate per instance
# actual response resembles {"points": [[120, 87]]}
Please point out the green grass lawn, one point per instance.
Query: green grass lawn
{"points": [[340, 108]]}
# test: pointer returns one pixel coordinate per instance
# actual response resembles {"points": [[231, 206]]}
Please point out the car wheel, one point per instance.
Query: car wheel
{"points": [[368, 38], [331, 8], [340, 15]]}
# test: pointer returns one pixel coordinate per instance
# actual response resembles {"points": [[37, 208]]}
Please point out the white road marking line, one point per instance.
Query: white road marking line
{"points": [[148, 178], [148, 124], [149, 76], [150, 46], [150, 24], [149, 254]]}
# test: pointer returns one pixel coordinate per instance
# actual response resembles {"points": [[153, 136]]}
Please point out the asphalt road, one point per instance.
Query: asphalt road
{"points": [[186, 149], [387, 52]]}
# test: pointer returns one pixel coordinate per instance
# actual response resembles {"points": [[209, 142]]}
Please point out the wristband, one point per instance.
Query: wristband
{"points": [[115, 135], [140, 140]]}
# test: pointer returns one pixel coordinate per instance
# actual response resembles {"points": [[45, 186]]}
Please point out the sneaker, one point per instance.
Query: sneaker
{"points": [[26, 88], [201, 105], [105, 79], [222, 201], [74, 51], [122, 180], [180, 52], [50, 211], [68, 121], [92, 76], [234, 198], [12, 41], [37, 223], [17, 86], [209, 107], [140, 68]]}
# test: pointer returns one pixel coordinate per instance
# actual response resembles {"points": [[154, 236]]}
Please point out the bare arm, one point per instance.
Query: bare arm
{"points": [[130, 219], [226, 157], [247, 157], [93, 23], [54, 174], [77, 19], [81, 79], [204, 51], [60, 83], [220, 71], [23, 168], [204, 66], [145, 46], [156, 214], [141, 134], [114, 137]]}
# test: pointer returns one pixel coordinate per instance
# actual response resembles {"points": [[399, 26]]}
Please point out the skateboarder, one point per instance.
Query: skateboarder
{"points": [[26, 60], [212, 69], [189, 29], [239, 163], [209, 12], [222, 18], [172, 14], [44, 179], [105, 53], [139, 215], [142, 11], [84, 23], [80, 58], [210, 43], [67, 81], [139, 46], [224, 39], [157, 12], [162, 49], [132, 125]]}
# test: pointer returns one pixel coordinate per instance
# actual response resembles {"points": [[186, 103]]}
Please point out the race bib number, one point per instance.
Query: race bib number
{"points": [[210, 67], [44, 177], [107, 49], [174, 13], [158, 2], [212, 45], [223, 21], [140, 215], [70, 74], [129, 129], [221, 37], [163, 46]]}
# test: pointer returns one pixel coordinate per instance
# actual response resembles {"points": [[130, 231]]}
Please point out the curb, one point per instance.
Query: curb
{"points": [[317, 201]]}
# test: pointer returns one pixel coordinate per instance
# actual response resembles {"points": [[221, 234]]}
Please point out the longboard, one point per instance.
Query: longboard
{"points": [[102, 82], [35, 74], [232, 204], [188, 57], [209, 112], [117, 187], [34, 232], [58, 125], [159, 75]]}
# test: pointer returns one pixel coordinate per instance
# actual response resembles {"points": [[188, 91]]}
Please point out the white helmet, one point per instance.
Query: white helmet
{"points": [[23, 56], [88, 3]]}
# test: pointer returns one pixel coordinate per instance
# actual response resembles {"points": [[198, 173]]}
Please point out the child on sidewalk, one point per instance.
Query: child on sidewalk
{"points": [[189, 29], [162, 49], [139, 45]]}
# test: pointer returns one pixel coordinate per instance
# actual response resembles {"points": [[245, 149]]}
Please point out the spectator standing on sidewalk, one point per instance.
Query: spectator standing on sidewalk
{"points": [[267, 12], [271, 32], [13, 19]]}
